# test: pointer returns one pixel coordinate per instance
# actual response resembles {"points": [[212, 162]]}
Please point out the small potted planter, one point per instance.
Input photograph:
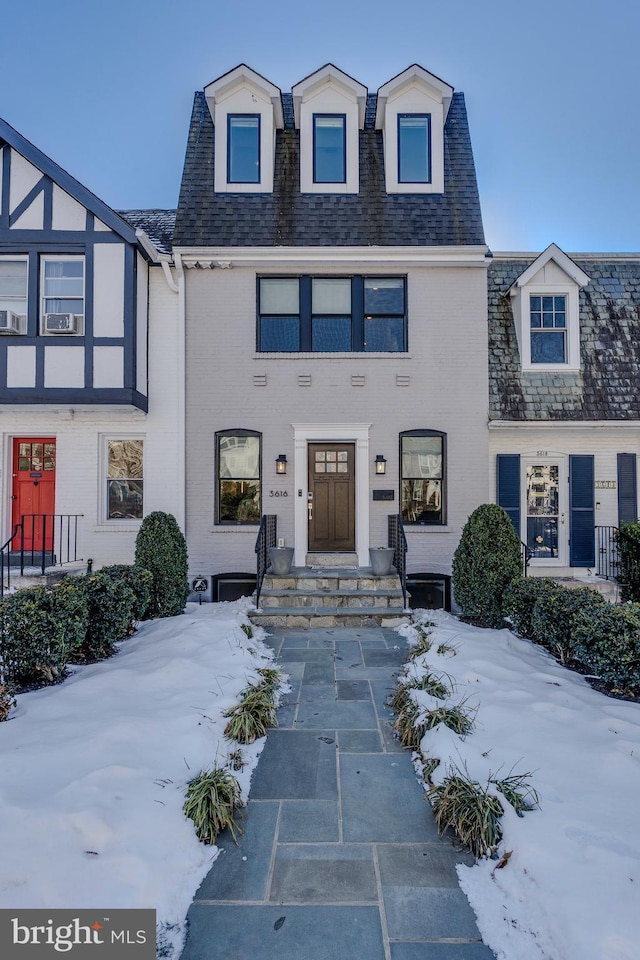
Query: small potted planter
{"points": [[381, 560], [281, 559]]}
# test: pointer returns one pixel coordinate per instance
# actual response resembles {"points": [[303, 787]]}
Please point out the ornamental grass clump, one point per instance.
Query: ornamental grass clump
{"points": [[211, 801], [456, 718], [435, 685], [461, 804], [515, 789], [422, 645], [252, 716], [409, 731]]}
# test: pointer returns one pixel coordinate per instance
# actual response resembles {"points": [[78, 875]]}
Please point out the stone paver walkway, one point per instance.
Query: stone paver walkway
{"points": [[340, 858]]}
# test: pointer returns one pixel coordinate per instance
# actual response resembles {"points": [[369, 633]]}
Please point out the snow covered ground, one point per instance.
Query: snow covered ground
{"points": [[93, 774], [93, 771], [571, 888]]}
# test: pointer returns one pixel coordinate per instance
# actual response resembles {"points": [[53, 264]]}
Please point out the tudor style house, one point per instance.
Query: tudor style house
{"points": [[564, 414], [334, 292], [90, 366]]}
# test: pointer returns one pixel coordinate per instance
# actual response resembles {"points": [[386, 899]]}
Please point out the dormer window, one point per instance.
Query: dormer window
{"points": [[411, 112], [246, 111], [546, 312], [548, 317], [329, 148], [243, 148], [414, 148]]}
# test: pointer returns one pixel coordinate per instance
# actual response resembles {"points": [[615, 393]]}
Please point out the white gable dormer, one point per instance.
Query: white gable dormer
{"points": [[546, 311], [411, 112], [329, 110], [246, 111]]}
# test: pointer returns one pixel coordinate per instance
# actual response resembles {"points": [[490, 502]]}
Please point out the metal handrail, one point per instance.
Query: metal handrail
{"points": [[61, 529], [527, 554], [397, 540], [267, 537], [5, 550], [608, 552]]}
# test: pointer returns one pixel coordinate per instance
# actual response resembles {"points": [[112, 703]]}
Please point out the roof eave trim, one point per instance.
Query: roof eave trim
{"points": [[559, 257]]}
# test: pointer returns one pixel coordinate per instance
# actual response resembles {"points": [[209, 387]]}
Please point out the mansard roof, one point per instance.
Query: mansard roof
{"points": [[288, 218], [605, 388]]}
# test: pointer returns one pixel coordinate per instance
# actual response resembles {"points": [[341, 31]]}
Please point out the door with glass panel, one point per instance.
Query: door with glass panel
{"points": [[331, 497], [544, 511], [33, 492]]}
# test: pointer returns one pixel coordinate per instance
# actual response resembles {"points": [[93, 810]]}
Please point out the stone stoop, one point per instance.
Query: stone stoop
{"points": [[330, 597]]}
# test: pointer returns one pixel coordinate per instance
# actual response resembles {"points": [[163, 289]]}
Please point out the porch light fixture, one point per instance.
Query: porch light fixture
{"points": [[381, 464], [281, 464]]}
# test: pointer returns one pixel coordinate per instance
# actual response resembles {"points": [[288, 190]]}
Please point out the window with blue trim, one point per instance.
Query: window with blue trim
{"points": [[329, 148], [243, 148], [414, 148], [332, 314], [548, 315]]}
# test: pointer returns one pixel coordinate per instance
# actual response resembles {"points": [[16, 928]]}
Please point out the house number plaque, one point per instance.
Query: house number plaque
{"points": [[605, 484], [278, 493]]}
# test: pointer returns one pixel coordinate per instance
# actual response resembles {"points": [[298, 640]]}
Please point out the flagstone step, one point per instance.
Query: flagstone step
{"points": [[306, 618]]}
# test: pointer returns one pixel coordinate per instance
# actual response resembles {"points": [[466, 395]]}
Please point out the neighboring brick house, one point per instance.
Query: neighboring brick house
{"points": [[332, 253], [564, 356], [90, 371]]}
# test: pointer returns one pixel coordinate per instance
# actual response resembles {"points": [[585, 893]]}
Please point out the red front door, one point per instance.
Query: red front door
{"points": [[34, 489]]}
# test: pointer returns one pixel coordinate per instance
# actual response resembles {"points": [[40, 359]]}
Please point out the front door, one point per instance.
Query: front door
{"points": [[331, 504], [33, 492], [545, 511]]}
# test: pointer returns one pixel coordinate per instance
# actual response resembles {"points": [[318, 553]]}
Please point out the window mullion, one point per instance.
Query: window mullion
{"points": [[357, 313], [305, 314]]}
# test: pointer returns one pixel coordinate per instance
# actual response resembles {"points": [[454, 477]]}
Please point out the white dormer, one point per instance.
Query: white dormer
{"points": [[329, 109], [412, 110], [246, 110], [546, 312]]}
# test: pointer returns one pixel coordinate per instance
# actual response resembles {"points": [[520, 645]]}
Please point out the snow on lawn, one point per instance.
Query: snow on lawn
{"points": [[571, 889], [93, 771]]}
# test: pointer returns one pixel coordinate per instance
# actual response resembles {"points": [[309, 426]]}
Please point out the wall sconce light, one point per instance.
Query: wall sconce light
{"points": [[281, 463], [381, 464]]}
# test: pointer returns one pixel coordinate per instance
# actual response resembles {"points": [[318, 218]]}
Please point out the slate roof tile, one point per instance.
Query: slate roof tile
{"points": [[157, 224]]}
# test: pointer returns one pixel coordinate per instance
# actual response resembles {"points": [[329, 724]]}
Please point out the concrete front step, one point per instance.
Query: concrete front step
{"points": [[306, 618]]}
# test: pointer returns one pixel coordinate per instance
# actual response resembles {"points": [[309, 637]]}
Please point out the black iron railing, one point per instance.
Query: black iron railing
{"points": [[39, 541], [527, 553], [397, 540], [608, 552], [267, 537]]}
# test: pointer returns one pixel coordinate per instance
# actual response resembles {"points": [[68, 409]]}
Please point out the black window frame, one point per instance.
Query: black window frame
{"points": [[236, 432], [442, 522], [333, 116], [230, 118], [306, 316], [427, 117]]}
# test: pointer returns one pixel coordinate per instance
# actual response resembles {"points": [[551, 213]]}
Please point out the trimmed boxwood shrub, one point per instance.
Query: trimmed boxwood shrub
{"points": [[486, 561], [162, 549], [607, 643], [520, 598], [137, 579], [41, 629], [111, 606], [554, 614]]}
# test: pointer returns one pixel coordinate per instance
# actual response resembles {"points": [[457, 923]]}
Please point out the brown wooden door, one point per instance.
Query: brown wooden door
{"points": [[34, 489], [332, 505]]}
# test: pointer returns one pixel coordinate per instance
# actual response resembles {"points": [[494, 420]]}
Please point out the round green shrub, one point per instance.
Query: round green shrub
{"points": [[41, 628], [607, 643], [486, 561], [520, 598], [554, 614], [111, 604], [137, 579], [162, 549]]}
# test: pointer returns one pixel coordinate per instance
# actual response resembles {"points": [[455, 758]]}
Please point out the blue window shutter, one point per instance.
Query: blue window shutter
{"points": [[508, 493], [627, 488], [582, 551]]}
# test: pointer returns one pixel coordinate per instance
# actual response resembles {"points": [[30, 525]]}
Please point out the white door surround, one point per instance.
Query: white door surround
{"points": [[305, 433]]}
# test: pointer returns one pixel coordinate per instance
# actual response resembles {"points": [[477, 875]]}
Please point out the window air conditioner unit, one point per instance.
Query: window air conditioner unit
{"points": [[60, 322], [9, 322]]}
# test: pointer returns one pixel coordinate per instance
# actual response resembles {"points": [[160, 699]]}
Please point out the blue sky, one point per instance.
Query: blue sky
{"points": [[105, 89]]}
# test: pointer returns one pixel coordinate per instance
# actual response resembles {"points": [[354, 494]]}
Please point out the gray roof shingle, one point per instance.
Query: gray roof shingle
{"points": [[157, 224], [288, 218], [606, 387]]}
